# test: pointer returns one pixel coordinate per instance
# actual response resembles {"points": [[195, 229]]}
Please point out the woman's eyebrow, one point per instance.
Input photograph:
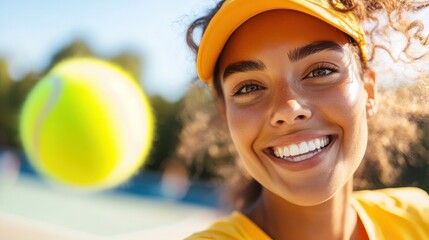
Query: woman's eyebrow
{"points": [[312, 48], [243, 66], [294, 55]]}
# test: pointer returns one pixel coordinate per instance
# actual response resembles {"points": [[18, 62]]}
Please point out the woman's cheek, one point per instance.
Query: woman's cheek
{"points": [[244, 124], [350, 113], [238, 120]]}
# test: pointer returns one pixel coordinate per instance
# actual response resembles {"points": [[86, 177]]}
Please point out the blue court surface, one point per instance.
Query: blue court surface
{"points": [[33, 208]]}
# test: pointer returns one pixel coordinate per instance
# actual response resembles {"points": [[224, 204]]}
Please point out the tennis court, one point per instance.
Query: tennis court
{"points": [[32, 208]]}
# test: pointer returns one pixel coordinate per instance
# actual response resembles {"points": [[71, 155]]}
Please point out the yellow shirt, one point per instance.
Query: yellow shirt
{"points": [[387, 214]]}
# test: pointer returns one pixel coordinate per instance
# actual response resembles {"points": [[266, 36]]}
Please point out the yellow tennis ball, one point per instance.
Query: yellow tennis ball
{"points": [[87, 124]]}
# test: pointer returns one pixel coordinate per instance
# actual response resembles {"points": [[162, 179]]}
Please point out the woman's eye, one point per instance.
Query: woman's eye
{"points": [[249, 88], [320, 72]]}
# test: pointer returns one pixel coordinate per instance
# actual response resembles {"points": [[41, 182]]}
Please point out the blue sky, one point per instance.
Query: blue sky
{"points": [[31, 31]]}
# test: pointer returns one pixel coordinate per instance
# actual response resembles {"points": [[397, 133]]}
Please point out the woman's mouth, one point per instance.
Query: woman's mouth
{"points": [[302, 151]]}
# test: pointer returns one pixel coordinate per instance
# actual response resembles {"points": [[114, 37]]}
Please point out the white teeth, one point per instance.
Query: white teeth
{"points": [[317, 143], [289, 152], [286, 151], [280, 151], [311, 146], [303, 148], [324, 142], [294, 150]]}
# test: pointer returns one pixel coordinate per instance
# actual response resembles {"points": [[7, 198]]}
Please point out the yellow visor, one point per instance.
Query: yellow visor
{"points": [[234, 13]]}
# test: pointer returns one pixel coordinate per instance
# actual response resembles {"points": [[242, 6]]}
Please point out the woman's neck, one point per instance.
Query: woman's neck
{"points": [[333, 219]]}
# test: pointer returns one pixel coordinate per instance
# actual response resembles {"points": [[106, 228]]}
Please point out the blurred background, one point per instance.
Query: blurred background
{"points": [[177, 191], [146, 38]]}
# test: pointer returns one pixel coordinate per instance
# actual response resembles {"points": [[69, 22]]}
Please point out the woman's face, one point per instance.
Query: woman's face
{"points": [[295, 104]]}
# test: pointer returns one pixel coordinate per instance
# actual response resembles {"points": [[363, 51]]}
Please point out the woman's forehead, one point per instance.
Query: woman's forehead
{"points": [[280, 28]]}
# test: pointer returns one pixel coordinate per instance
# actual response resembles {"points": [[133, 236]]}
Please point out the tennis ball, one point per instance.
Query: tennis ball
{"points": [[86, 124]]}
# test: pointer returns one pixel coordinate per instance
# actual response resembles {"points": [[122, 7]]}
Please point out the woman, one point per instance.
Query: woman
{"points": [[293, 83]]}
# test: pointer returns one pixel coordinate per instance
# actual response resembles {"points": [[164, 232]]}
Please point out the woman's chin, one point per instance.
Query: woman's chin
{"points": [[308, 196]]}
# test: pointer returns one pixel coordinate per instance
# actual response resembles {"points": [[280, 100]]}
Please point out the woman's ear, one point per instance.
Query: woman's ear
{"points": [[370, 85]]}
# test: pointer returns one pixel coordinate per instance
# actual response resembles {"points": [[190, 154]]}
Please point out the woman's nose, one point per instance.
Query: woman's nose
{"points": [[290, 112]]}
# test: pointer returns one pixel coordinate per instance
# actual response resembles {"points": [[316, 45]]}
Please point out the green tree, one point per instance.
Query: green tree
{"points": [[5, 79], [130, 63], [77, 48], [168, 127], [6, 122], [17, 95]]}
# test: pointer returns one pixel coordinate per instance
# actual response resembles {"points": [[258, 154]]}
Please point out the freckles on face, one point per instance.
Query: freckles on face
{"points": [[294, 105]]}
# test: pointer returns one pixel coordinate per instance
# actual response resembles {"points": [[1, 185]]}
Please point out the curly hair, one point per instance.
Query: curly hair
{"points": [[395, 136]]}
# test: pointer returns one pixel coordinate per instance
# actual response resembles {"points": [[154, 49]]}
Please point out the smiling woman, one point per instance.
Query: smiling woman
{"points": [[302, 94], [293, 83]]}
